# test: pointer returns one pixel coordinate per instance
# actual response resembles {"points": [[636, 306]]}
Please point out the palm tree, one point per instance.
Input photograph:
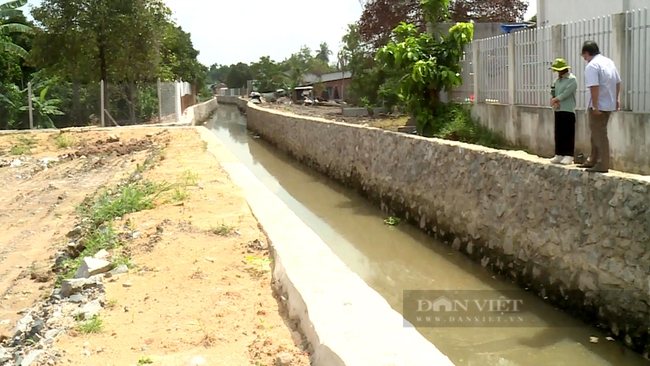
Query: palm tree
{"points": [[7, 10], [324, 52]]}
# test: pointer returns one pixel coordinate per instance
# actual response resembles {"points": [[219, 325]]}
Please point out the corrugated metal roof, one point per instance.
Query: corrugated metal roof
{"points": [[335, 76]]}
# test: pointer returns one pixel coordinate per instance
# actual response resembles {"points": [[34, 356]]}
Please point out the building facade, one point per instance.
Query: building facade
{"points": [[551, 12]]}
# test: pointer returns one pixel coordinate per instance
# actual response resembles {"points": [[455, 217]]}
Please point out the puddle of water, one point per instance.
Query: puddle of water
{"points": [[393, 259]]}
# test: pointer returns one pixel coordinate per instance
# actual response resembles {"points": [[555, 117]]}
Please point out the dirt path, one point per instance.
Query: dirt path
{"points": [[189, 271]]}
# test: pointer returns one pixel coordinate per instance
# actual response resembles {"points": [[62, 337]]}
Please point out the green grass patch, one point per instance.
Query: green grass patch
{"points": [[92, 325], [144, 360], [125, 199], [63, 141], [179, 194], [454, 122], [98, 213], [23, 146], [222, 229]]}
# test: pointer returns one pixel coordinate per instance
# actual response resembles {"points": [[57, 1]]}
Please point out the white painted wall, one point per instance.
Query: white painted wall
{"points": [[551, 12]]}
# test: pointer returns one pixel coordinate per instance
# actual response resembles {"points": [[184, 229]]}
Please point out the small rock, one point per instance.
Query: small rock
{"points": [[91, 266], [283, 359], [37, 327], [60, 258], [127, 284], [121, 269], [102, 254], [113, 138], [75, 232], [73, 285], [77, 298], [51, 334], [23, 325], [89, 310], [56, 294], [32, 357], [5, 355], [150, 134]]}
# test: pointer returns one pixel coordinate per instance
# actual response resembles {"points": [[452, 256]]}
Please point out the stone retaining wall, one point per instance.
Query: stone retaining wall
{"points": [[239, 102], [581, 240], [199, 113]]}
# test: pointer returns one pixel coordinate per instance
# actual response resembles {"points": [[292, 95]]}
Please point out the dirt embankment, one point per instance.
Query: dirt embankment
{"points": [[131, 247]]}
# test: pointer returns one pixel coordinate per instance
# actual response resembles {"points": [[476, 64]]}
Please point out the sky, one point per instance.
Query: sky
{"points": [[231, 31]]}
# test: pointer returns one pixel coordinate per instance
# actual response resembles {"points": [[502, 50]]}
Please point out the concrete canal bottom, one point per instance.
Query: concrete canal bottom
{"points": [[391, 259]]}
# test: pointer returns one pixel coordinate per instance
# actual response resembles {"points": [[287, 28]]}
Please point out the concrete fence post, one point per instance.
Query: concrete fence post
{"points": [[177, 100], [557, 41], [30, 94], [620, 54], [102, 104], [511, 68], [159, 90], [477, 67]]}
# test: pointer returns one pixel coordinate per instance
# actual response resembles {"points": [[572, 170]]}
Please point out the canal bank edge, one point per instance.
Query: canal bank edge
{"points": [[344, 321], [579, 240]]}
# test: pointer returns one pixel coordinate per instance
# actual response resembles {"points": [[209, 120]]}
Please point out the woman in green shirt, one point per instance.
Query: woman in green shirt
{"points": [[563, 93]]}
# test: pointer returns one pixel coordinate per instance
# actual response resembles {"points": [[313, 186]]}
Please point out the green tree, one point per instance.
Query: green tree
{"points": [[324, 53], [8, 10], [92, 40], [179, 57], [238, 76], [44, 107], [268, 74], [368, 81], [426, 64], [217, 73]]}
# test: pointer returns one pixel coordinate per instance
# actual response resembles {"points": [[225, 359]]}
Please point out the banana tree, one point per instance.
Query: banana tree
{"points": [[44, 108], [6, 10]]}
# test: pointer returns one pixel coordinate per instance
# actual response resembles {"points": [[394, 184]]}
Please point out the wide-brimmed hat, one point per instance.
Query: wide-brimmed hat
{"points": [[560, 64]]}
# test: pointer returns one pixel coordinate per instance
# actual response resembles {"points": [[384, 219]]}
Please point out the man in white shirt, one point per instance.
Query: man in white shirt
{"points": [[604, 86]]}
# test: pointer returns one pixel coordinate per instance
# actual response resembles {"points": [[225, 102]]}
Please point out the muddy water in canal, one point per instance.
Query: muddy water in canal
{"points": [[395, 258]]}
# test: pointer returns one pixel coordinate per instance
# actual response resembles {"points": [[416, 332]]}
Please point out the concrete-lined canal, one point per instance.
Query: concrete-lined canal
{"points": [[393, 259]]}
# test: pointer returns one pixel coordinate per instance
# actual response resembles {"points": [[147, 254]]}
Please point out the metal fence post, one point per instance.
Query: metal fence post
{"points": [[29, 103], [101, 116], [159, 101]]}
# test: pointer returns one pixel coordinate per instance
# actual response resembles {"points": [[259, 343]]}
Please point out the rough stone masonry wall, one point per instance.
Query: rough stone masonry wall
{"points": [[560, 231]]}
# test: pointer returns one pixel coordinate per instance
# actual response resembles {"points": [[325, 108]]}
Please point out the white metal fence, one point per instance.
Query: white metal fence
{"points": [[240, 92], [533, 56], [575, 34], [533, 51], [637, 80], [493, 75]]}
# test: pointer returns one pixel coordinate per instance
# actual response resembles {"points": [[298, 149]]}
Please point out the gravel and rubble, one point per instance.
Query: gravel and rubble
{"points": [[79, 299]]}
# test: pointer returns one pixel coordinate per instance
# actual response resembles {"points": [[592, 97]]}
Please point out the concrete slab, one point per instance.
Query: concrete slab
{"points": [[345, 321]]}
